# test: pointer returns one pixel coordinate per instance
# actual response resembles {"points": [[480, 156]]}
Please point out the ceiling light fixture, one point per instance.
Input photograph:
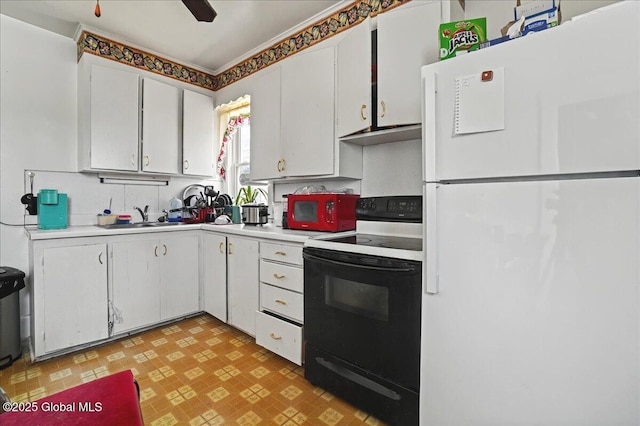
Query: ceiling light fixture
{"points": [[97, 10]]}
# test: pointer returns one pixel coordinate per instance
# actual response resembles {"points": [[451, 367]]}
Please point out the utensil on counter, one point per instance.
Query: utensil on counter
{"points": [[108, 210], [30, 200]]}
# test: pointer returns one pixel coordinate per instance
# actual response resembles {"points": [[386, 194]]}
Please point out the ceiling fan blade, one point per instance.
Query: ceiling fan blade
{"points": [[201, 10]]}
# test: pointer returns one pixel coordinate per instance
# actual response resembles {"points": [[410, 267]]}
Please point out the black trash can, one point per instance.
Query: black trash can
{"points": [[11, 282]]}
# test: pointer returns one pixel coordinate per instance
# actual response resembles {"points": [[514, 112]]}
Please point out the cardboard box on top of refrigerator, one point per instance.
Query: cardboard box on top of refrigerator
{"points": [[461, 36], [538, 15], [530, 16]]}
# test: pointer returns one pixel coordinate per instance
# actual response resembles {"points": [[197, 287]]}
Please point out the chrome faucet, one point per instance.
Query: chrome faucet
{"points": [[144, 213]]}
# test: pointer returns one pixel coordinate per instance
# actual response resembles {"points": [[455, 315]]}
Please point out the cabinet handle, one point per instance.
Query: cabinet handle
{"points": [[384, 108], [186, 164], [220, 248], [282, 302], [155, 251], [284, 165], [133, 159], [274, 337], [146, 160], [278, 276], [230, 246], [165, 249], [281, 253], [363, 108], [100, 258], [279, 164]]}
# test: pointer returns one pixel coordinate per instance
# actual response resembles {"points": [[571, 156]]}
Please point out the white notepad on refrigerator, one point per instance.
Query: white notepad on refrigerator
{"points": [[479, 103]]}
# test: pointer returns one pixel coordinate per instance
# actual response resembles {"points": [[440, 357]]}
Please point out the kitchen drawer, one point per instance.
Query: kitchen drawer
{"points": [[279, 336], [281, 253], [289, 277], [282, 302]]}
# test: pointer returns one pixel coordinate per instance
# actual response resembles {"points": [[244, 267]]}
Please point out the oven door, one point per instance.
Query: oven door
{"points": [[365, 310]]}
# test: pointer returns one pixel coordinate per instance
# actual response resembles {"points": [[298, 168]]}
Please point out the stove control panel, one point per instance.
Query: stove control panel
{"points": [[403, 208]]}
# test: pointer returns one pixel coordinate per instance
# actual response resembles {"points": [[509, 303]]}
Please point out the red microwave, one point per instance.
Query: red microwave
{"points": [[322, 212]]}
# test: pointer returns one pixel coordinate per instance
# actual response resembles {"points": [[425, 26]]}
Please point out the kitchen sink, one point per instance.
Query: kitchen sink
{"points": [[139, 225]]}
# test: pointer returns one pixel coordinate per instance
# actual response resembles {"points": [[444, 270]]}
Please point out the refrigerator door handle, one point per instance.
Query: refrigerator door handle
{"points": [[429, 126], [430, 274]]}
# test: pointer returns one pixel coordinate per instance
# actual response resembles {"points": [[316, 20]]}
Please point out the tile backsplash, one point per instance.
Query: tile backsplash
{"points": [[88, 197]]}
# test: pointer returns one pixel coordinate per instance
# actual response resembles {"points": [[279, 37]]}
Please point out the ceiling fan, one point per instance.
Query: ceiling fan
{"points": [[201, 10]]}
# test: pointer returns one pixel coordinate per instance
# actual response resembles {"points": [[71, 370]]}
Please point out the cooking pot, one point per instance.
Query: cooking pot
{"points": [[254, 214]]}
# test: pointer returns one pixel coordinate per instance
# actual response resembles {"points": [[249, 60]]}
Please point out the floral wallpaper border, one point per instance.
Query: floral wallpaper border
{"points": [[345, 18]]}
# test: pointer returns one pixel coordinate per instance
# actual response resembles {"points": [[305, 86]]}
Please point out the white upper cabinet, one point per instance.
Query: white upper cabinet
{"points": [[354, 80], [308, 87], [292, 118], [109, 120], [406, 39], [265, 126], [134, 121], [198, 154], [160, 127]]}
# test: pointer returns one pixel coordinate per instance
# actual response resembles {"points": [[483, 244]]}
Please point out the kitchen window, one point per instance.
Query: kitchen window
{"points": [[234, 131]]}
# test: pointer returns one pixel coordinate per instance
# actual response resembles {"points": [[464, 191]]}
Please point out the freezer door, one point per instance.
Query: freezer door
{"points": [[571, 102], [532, 312]]}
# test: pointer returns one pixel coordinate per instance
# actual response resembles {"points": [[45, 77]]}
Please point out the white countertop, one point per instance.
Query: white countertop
{"points": [[268, 231]]}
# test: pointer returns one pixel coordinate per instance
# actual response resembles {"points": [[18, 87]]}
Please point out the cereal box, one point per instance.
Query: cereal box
{"points": [[461, 36]]}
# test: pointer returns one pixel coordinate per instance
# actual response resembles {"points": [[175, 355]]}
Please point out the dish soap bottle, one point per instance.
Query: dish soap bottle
{"points": [[175, 210]]}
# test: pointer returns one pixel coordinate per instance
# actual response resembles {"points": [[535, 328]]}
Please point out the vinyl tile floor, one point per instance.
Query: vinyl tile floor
{"points": [[198, 371]]}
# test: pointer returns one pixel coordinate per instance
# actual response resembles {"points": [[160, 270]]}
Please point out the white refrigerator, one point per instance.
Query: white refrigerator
{"points": [[531, 281]]}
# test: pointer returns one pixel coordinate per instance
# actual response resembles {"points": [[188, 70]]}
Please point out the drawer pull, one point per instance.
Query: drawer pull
{"points": [[220, 248], [279, 277], [281, 253], [274, 337], [282, 302]]}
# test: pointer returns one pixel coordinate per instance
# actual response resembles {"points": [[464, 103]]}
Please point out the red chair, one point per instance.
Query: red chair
{"points": [[111, 400]]}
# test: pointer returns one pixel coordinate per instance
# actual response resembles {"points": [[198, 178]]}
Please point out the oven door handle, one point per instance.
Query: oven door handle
{"points": [[357, 265]]}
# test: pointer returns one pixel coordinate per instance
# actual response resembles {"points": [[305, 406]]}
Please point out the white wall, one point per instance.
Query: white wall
{"points": [[38, 120]]}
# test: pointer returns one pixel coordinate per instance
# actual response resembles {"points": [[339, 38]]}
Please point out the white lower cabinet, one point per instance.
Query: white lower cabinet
{"points": [[153, 280], [281, 316], [135, 295], [87, 290], [242, 282], [179, 284], [281, 337], [69, 297], [214, 275]]}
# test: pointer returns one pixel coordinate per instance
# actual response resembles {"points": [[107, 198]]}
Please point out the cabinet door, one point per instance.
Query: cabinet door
{"points": [[197, 134], [160, 127], [114, 119], [179, 284], [214, 269], [354, 80], [265, 126], [243, 283], [75, 296], [135, 296], [407, 40], [308, 85]]}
